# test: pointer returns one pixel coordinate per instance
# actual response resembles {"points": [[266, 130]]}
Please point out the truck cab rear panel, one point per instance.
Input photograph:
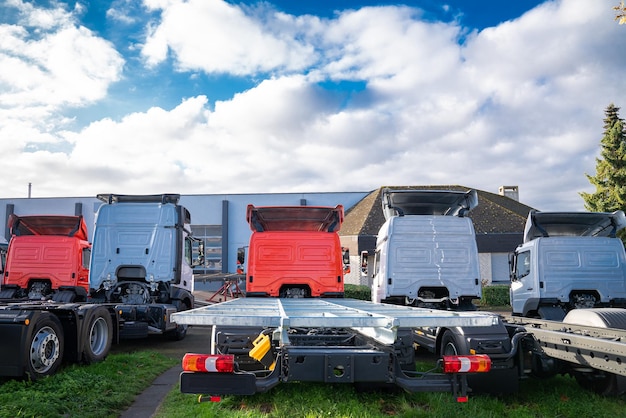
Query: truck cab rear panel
{"points": [[46, 253], [295, 251]]}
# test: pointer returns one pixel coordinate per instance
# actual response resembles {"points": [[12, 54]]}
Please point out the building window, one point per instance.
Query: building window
{"points": [[211, 236]]}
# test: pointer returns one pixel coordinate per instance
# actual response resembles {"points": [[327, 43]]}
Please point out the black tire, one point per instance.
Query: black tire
{"points": [[496, 382], [181, 330], [98, 336], [452, 344], [600, 382], [44, 350], [179, 333]]}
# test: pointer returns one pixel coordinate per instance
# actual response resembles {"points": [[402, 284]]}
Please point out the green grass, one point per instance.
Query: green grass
{"points": [[108, 388], [99, 390], [556, 397]]}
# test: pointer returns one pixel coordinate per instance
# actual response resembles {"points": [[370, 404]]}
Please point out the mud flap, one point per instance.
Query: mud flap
{"points": [[551, 313], [496, 382], [133, 330], [218, 383]]}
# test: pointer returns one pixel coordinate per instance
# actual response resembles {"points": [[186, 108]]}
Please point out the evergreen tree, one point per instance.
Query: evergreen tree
{"points": [[621, 13], [610, 178]]}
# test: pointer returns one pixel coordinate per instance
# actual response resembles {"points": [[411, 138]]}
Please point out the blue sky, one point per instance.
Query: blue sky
{"points": [[208, 96]]}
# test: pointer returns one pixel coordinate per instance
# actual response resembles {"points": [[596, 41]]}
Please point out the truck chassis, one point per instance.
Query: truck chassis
{"points": [[591, 347], [594, 355], [320, 340]]}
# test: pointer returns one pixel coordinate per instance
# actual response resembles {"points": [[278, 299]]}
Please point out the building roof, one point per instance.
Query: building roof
{"points": [[495, 214]]}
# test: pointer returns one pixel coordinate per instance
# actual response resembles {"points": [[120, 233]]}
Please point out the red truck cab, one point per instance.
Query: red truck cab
{"points": [[295, 251], [46, 254]]}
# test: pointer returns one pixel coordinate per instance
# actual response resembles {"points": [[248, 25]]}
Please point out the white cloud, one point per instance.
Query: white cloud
{"points": [[49, 62], [221, 38], [518, 104]]}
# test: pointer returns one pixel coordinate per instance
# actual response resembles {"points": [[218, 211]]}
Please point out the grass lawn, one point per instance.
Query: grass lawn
{"points": [[99, 390], [556, 397]]}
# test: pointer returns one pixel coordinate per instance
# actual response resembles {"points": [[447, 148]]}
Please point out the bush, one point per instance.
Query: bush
{"points": [[353, 291], [496, 295]]}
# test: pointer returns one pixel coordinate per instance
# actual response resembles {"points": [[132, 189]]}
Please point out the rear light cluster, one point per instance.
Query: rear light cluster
{"points": [[478, 363], [218, 363]]}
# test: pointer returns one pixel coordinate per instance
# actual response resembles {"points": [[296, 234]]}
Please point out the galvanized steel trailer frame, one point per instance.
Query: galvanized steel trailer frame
{"points": [[381, 333], [378, 321], [582, 345]]}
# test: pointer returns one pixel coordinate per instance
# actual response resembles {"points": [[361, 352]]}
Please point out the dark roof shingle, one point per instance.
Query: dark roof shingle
{"points": [[495, 214]]}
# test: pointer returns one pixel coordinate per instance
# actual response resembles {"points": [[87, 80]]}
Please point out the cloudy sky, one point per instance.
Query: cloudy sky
{"points": [[210, 96]]}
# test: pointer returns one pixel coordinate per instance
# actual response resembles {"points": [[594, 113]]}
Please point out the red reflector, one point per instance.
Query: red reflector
{"points": [[478, 363], [216, 398], [461, 399], [220, 363]]}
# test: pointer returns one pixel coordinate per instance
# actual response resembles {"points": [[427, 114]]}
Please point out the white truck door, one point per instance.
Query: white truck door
{"points": [[522, 286]]}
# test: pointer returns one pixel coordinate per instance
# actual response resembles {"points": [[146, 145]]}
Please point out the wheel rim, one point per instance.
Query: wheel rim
{"points": [[98, 336], [44, 350], [450, 349]]}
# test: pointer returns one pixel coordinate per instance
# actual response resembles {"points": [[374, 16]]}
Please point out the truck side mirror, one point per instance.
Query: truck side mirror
{"points": [[345, 255], [512, 267], [364, 255], [200, 259], [241, 260]]}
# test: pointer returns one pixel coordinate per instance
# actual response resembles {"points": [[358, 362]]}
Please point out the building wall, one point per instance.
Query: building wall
{"points": [[484, 260], [494, 268], [355, 276], [500, 268]]}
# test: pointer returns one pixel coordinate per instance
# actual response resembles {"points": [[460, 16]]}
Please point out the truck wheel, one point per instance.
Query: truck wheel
{"points": [[600, 382], [44, 351], [179, 333], [99, 333], [452, 344], [181, 330]]}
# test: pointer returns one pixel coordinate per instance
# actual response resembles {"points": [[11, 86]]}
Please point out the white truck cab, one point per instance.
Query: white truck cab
{"points": [[568, 260], [426, 253]]}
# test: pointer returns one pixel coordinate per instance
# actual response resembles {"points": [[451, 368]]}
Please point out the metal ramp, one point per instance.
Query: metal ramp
{"points": [[379, 321]]}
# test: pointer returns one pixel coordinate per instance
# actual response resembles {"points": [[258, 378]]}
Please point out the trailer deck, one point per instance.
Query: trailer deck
{"points": [[379, 321]]}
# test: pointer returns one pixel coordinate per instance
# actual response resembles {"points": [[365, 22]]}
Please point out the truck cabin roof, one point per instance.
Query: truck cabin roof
{"points": [[67, 226], [428, 202], [580, 224], [152, 198], [163, 199], [295, 218]]}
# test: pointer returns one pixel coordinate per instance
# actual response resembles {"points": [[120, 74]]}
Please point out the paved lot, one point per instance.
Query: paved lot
{"points": [[198, 339]]}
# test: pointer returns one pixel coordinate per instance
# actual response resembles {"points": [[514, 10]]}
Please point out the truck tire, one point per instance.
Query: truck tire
{"points": [[181, 330], [452, 344], [600, 382], [179, 333], [503, 381], [99, 336], [44, 350]]}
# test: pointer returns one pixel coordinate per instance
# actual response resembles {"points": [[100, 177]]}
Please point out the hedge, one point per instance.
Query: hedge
{"points": [[496, 295], [353, 291]]}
